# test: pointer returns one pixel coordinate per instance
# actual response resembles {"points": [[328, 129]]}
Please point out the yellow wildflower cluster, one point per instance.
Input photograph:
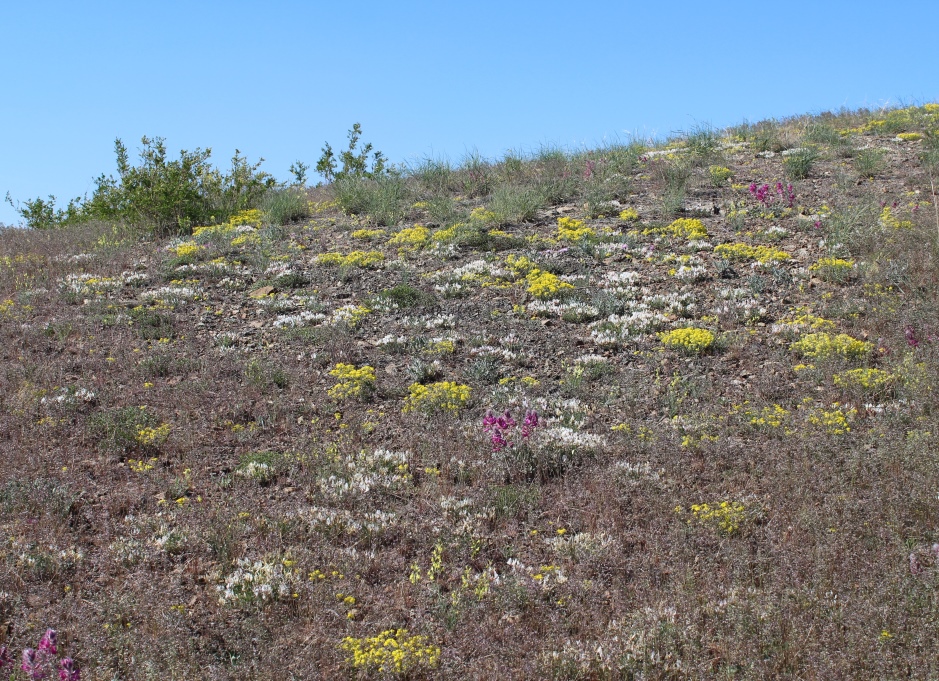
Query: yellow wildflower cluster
{"points": [[739, 251], [247, 239], [442, 346], [6, 307], [141, 466], [392, 652], [451, 233], [834, 421], [890, 221], [252, 217], [187, 249], [545, 285], [682, 228], [367, 234], [801, 319], [358, 383], [769, 418], [442, 396], [629, 215], [719, 175], [910, 136], [909, 117], [481, 214], [411, 238], [353, 259], [519, 264], [690, 340], [726, 517], [826, 345], [833, 269], [152, 437], [866, 380], [571, 229]]}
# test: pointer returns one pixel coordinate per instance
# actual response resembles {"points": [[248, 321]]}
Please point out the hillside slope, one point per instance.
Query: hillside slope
{"points": [[262, 452]]}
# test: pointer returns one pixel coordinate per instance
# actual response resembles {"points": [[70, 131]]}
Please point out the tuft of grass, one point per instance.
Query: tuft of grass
{"points": [[286, 205], [799, 165], [383, 200], [870, 162], [514, 204]]}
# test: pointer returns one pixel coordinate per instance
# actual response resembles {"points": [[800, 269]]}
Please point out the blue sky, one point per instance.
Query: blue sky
{"points": [[426, 79]]}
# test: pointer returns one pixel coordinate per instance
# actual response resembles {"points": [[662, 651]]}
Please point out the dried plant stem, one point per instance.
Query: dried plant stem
{"points": [[935, 206]]}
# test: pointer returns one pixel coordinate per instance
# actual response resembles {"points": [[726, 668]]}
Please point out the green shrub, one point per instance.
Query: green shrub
{"points": [[354, 160], [166, 196], [170, 196]]}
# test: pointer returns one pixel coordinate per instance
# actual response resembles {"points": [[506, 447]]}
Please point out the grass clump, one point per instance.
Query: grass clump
{"points": [[869, 162], [127, 428], [286, 205], [800, 164]]}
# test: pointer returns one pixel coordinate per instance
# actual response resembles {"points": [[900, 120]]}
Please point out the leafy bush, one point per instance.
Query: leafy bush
{"points": [[167, 196], [354, 159]]}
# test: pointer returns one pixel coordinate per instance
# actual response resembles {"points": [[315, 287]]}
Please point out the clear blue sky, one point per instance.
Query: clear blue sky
{"points": [[426, 79]]}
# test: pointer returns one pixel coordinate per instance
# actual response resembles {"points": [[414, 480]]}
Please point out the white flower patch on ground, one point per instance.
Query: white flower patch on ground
{"points": [[569, 312]]}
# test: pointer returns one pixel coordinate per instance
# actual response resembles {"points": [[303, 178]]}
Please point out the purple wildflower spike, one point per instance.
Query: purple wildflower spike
{"points": [[69, 670], [47, 644], [32, 664]]}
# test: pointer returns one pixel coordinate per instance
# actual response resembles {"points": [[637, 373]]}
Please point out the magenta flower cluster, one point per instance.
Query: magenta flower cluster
{"points": [[913, 339], [764, 194], [39, 663], [501, 428]]}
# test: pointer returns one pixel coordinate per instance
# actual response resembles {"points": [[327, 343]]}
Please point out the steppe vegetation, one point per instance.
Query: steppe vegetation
{"points": [[657, 410]]}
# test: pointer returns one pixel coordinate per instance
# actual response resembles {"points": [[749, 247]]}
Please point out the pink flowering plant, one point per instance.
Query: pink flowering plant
{"points": [[511, 442], [773, 200], [42, 661]]}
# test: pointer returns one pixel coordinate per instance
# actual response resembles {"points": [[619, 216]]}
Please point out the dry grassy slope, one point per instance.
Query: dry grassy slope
{"points": [[165, 434]]}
